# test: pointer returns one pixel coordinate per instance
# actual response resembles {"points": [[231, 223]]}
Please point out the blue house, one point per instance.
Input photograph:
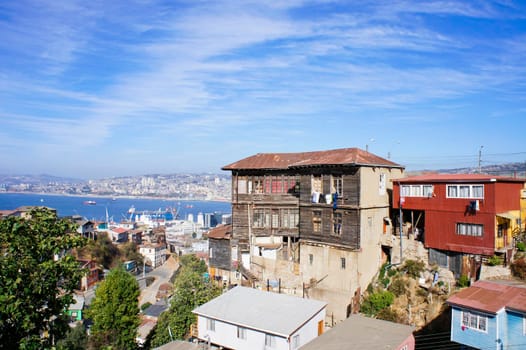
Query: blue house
{"points": [[490, 315]]}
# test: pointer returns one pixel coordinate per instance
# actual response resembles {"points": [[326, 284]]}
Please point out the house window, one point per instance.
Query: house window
{"points": [[465, 191], [474, 321], [316, 221], [416, 190], [311, 259], [277, 184], [337, 223], [270, 341], [275, 218], [343, 263], [464, 229], [267, 185], [211, 254], [241, 333], [258, 219], [381, 185], [289, 218], [242, 185], [337, 185], [210, 324], [317, 184], [258, 184], [296, 341]]}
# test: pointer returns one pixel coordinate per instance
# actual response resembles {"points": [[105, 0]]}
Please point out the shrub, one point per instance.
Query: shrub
{"points": [[398, 287], [422, 293], [494, 260], [389, 314], [463, 281], [376, 302], [145, 305], [521, 246], [391, 272], [518, 268], [413, 267]]}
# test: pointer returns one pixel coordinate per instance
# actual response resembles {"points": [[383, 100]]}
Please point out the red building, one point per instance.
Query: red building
{"points": [[461, 215]]}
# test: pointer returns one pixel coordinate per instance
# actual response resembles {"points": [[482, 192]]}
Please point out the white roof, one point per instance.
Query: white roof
{"points": [[273, 313]]}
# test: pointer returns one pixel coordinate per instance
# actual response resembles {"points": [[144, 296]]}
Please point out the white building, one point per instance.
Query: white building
{"points": [[246, 318], [154, 254]]}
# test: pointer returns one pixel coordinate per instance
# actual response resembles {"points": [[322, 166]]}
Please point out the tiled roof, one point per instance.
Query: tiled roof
{"points": [[457, 178], [220, 232], [491, 296], [343, 156]]}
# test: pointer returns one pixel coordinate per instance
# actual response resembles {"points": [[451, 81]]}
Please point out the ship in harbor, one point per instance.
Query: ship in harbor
{"points": [[89, 202]]}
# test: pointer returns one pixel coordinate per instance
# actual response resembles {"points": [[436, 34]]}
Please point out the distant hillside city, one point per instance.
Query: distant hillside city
{"points": [[174, 186], [179, 186]]}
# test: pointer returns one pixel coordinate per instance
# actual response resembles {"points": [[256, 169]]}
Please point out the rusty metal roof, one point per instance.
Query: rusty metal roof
{"points": [[342, 156], [435, 177], [220, 232], [491, 296]]}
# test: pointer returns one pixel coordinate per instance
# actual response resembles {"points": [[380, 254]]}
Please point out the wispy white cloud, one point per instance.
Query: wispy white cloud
{"points": [[201, 69]]}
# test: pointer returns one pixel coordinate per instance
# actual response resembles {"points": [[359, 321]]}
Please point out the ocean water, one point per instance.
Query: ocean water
{"points": [[118, 208]]}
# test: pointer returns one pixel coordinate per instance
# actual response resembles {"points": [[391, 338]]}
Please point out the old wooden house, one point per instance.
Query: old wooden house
{"points": [[313, 220], [222, 253]]}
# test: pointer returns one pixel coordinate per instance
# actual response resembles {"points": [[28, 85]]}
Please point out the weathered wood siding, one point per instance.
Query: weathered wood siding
{"points": [[350, 232], [221, 253], [244, 204], [350, 179]]}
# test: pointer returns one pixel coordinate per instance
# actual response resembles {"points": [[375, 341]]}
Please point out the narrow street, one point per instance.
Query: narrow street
{"points": [[162, 275]]}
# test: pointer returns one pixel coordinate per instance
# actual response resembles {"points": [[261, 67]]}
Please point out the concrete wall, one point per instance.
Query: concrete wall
{"points": [[327, 280]]}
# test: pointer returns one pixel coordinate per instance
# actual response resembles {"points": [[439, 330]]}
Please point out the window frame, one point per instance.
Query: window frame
{"points": [[337, 223], [343, 263], [417, 190], [296, 341], [469, 229], [270, 341], [317, 183], [317, 221], [210, 324], [474, 321], [337, 185], [241, 333], [464, 191]]}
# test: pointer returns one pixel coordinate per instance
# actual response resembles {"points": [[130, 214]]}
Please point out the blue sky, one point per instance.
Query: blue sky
{"points": [[94, 89]]}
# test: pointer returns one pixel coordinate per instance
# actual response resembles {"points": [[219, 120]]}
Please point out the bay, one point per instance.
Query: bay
{"points": [[118, 208]]}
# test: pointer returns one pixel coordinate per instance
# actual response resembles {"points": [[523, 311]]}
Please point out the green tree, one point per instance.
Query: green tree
{"points": [[103, 251], [376, 302], [190, 291], [37, 278], [129, 252], [115, 311], [76, 339]]}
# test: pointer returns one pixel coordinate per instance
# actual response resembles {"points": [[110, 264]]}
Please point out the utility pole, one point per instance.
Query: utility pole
{"points": [[480, 159], [401, 219]]}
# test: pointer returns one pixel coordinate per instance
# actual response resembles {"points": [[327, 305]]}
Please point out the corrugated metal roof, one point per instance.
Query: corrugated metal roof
{"points": [[359, 332], [457, 178], [491, 296], [343, 156], [273, 313], [220, 232]]}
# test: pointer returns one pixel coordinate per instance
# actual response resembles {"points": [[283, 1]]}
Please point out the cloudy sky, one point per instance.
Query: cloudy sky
{"points": [[94, 89]]}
